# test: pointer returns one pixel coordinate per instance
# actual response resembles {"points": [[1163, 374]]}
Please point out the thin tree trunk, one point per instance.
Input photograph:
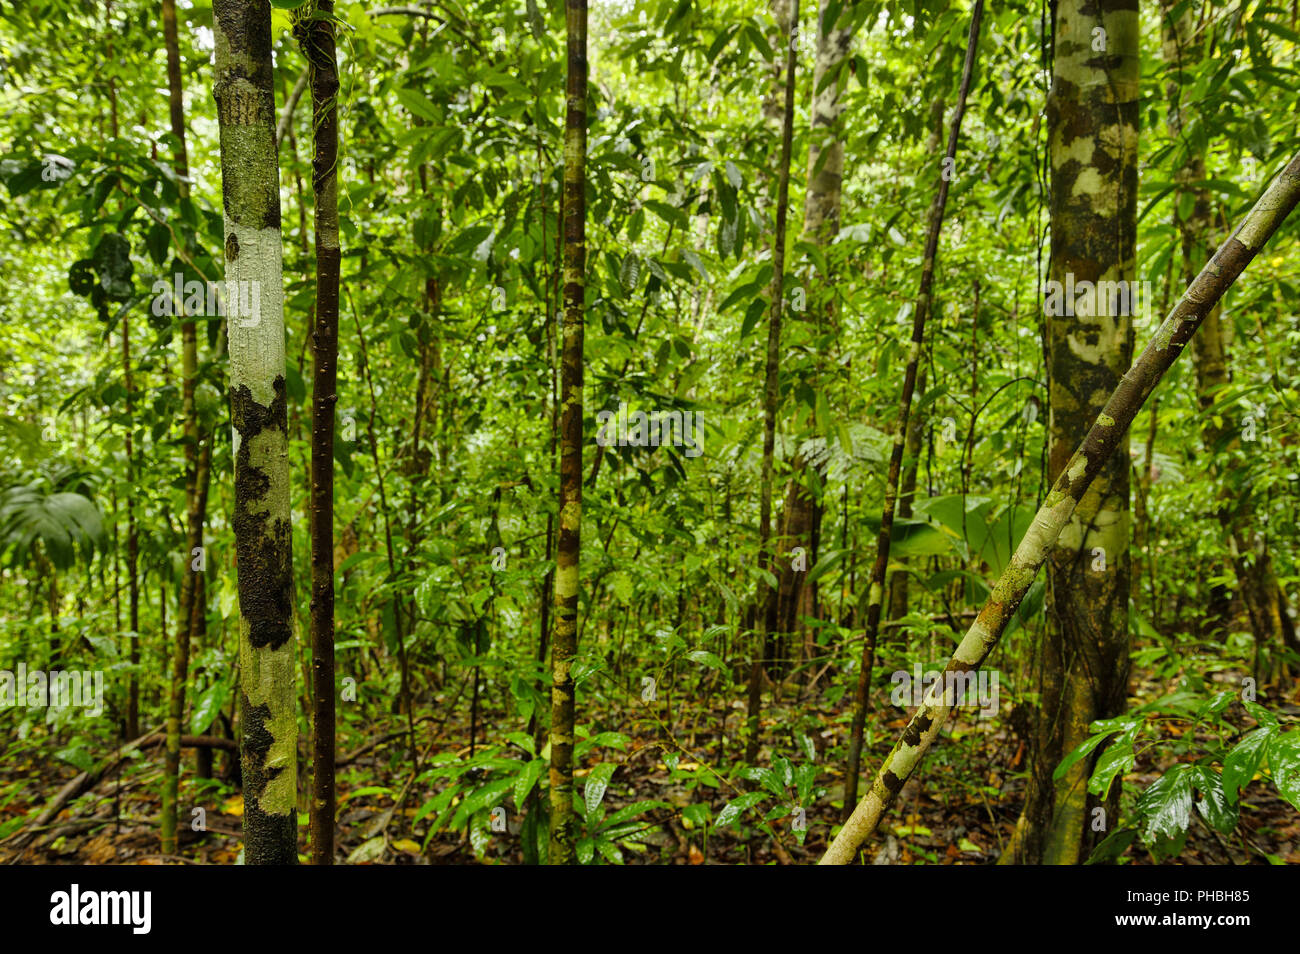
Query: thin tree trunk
{"points": [[801, 516], [564, 642], [1103, 437], [132, 536], [1082, 655], [876, 593], [316, 36], [195, 489], [250, 185], [1250, 556], [766, 599], [405, 691], [132, 541], [898, 583]]}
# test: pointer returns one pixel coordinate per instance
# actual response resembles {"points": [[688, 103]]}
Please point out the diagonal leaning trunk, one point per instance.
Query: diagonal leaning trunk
{"points": [[564, 641], [1105, 434], [250, 187]]}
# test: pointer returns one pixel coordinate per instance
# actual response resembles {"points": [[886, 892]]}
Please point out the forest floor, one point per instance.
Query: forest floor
{"points": [[959, 809]]}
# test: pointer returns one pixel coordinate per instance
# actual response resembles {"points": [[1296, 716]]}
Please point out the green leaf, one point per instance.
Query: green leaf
{"points": [[1284, 763], [208, 705], [485, 796], [706, 658], [468, 239], [609, 851], [630, 273], [527, 779], [1214, 806], [628, 812], [1116, 760], [157, 241], [112, 258], [593, 792], [1112, 846], [737, 807], [368, 850], [753, 314], [697, 814], [1243, 760], [1166, 807], [733, 175], [437, 804], [1220, 701], [696, 263], [1261, 715], [612, 740], [535, 22], [81, 277]]}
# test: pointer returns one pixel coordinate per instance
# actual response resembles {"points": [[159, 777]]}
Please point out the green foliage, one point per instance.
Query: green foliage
{"points": [[59, 524], [1212, 764]]}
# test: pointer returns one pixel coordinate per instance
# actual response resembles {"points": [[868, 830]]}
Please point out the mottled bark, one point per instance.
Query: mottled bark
{"points": [[316, 37], [1082, 655], [920, 314], [250, 185], [785, 16], [1103, 437], [564, 639], [821, 213]]}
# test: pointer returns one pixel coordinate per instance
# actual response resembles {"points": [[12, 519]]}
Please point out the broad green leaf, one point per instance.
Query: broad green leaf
{"points": [[1213, 806], [737, 807], [1284, 764], [1117, 759], [596, 784], [1166, 806], [527, 779], [1243, 761]]}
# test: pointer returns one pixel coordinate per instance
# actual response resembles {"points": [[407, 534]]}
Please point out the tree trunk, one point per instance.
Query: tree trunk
{"points": [[1103, 437], [1082, 657], [196, 472], [898, 583], [564, 641], [316, 37], [132, 541], [766, 600], [250, 185], [821, 223], [1259, 591], [921, 313]]}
